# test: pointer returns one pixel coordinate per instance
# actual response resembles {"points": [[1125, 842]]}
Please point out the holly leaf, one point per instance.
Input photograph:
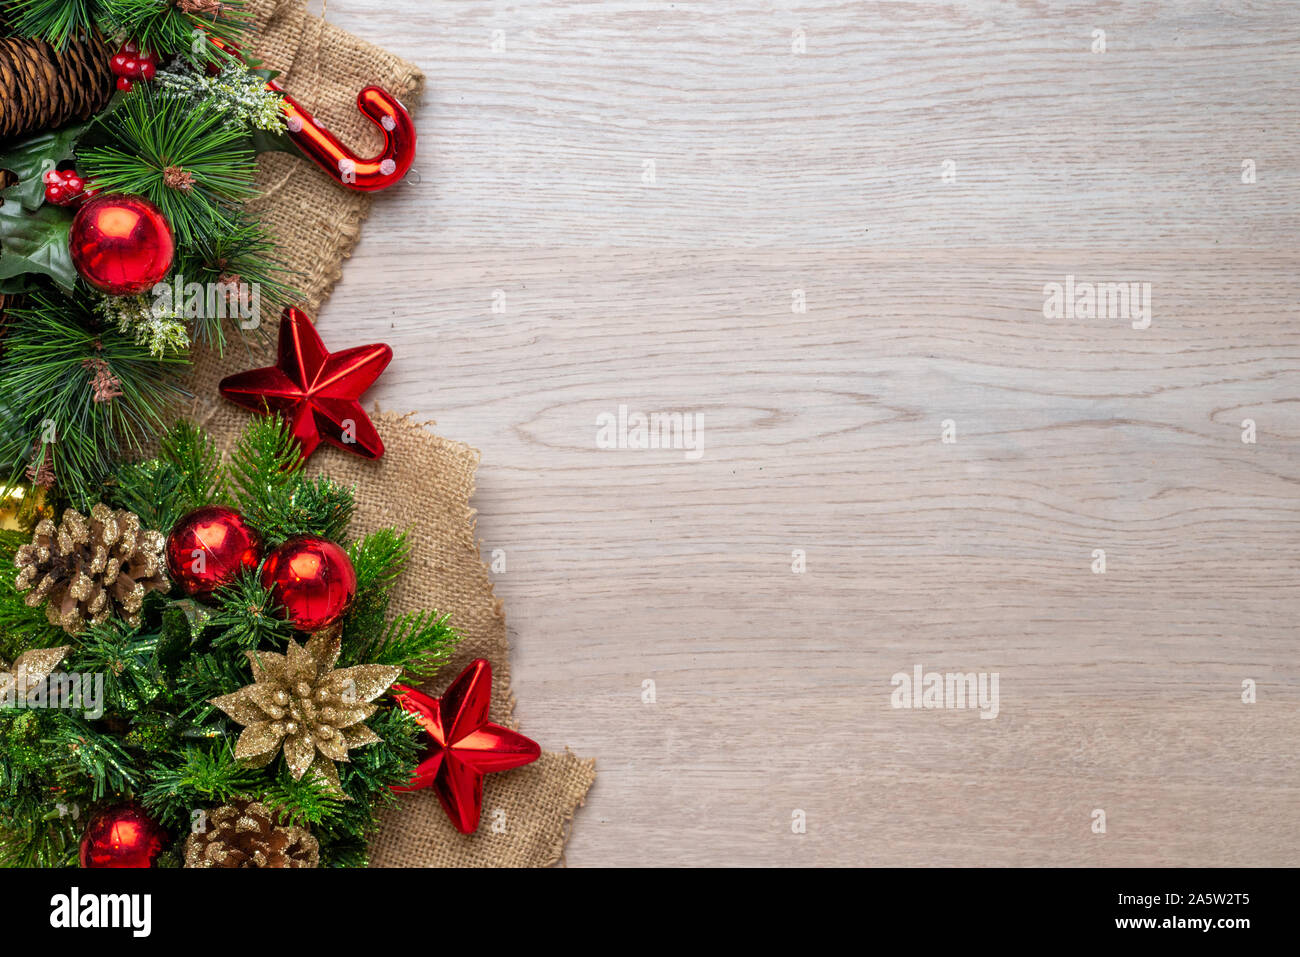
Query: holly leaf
{"points": [[275, 141], [16, 285], [35, 242], [30, 159]]}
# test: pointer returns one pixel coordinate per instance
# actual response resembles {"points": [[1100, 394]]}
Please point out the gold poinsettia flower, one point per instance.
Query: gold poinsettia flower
{"points": [[300, 703]]}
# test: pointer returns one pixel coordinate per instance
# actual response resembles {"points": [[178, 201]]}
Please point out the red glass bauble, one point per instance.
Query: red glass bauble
{"points": [[123, 835], [209, 547], [121, 245], [312, 579]]}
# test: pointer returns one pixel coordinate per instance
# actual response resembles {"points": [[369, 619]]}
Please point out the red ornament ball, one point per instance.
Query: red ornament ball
{"points": [[121, 245], [209, 547], [123, 835], [312, 579]]}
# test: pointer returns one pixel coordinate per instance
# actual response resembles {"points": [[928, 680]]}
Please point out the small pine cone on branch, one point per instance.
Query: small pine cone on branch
{"points": [[86, 570], [247, 833]]}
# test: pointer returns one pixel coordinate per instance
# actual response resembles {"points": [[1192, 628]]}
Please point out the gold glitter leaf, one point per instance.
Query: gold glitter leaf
{"points": [[37, 663], [299, 752], [364, 682], [326, 774], [324, 647], [240, 706], [260, 739], [358, 736], [268, 667]]}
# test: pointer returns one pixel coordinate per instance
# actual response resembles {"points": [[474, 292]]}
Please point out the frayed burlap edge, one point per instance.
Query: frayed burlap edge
{"points": [[423, 483]]}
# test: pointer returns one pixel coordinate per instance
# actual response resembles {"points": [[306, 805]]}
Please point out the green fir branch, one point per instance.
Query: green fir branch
{"points": [[242, 254], [417, 642], [163, 26], [246, 617], [57, 22], [85, 395], [184, 157], [196, 777]]}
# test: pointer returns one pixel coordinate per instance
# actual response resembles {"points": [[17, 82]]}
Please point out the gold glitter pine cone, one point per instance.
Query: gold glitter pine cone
{"points": [[247, 833], [85, 570], [300, 703]]}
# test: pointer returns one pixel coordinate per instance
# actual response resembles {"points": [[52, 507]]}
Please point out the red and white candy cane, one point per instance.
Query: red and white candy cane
{"points": [[324, 149], [321, 146]]}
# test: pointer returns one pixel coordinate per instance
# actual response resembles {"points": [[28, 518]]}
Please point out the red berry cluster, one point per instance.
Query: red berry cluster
{"points": [[66, 188], [131, 63]]}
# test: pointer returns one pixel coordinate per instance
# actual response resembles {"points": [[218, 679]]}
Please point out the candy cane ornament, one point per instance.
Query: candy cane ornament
{"points": [[340, 163], [343, 165]]}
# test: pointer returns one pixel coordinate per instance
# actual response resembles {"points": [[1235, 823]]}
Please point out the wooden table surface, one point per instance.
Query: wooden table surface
{"points": [[622, 203]]}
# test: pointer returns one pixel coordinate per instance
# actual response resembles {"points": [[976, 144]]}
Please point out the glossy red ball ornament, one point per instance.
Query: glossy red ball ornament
{"points": [[312, 579], [123, 835], [209, 547], [121, 245]]}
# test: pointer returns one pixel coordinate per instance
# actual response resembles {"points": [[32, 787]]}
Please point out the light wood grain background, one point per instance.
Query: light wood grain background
{"points": [[777, 170]]}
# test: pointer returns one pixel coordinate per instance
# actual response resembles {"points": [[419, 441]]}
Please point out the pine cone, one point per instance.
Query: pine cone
{"points": [[88, 569], [249, 834], [42, 89]]}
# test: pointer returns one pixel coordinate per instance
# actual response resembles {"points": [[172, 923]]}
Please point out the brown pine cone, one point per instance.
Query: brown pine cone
{"points": [[249, 834], [42, 88], [86, 570]]}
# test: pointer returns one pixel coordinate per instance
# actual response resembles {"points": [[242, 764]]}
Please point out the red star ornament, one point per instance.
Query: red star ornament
{"points": [[463, 745], [314, 390]]}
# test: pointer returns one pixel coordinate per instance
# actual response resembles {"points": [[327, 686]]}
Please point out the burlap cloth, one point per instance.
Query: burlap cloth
{"points": [[423, 483]]}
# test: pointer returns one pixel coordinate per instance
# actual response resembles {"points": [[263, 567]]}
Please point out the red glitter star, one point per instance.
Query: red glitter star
{"points": [[314, 390], [463, 745]]}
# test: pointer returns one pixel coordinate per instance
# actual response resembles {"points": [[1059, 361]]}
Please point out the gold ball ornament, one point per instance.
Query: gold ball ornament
{"points": [[22, 506]]}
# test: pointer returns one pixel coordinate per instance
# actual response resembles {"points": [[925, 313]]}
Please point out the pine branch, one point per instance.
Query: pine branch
{"points": [[243, 257], [57, 22], [94, 755], [196, 777], [194, 454], [265, 476], [123, 661], [186, 475], [266, 461], [84, 395], [180, 27], [378, 560], [184, 157], [417, 642], [246, 617]]}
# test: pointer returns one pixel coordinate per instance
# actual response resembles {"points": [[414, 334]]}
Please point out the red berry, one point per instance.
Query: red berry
{"points": [[147, 70], [124, 84], [50, 176], [54, 193]]}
